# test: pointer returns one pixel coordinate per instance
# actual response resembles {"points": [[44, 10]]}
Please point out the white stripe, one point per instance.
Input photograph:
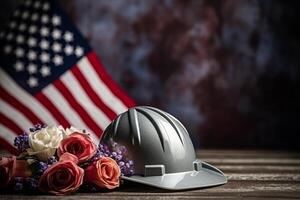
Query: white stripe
{"points": [[25, 98], [104, 93], [79, 94], [67, 111], [14, 115], [7, 134]]}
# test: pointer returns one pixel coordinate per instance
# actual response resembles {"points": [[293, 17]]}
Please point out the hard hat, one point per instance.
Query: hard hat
{"points": [[162, 150]]}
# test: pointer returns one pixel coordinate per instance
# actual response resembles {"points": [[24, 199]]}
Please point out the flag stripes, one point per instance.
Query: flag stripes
{"points": [[61, 104], [7, 137], [41, 97], [25, 98], [21, 107], [79, 97], [4, 144], [10, 123], [64, 91], [116, 99], [92, 94], [53, 78], [15, 115]]}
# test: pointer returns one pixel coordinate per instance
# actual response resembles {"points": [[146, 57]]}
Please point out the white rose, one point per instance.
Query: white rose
{"points": [[69, 131], [43, 143]]}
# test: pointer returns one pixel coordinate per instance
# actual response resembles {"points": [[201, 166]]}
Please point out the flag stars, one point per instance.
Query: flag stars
{"points": [[37, 4], [68, 50], [68, 36], [9, 36], [32, 29], [44, 57], [12, 25], [17, 13], [28, 3], [45, 19], [19, 66], [44, 44], [32, 68], [2, 34], [7, 49], [56, 34], [32, 82], [20, 39], [19, 52], [25, 15], [56, 47], [31, 42], [22, 27], [56, 21], [45, 71], [46, 6], [44, 31], [34, 17], [78, 51], [31, 55], [58, 60]]}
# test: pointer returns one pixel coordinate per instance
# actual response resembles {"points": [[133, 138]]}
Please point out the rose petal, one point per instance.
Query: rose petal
{"points": [[68, 157]]}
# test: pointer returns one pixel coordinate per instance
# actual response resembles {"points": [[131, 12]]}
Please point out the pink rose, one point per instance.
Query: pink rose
{"points": [[104, 172], [79, 145], [11, 167], [63, 177], [6, 172]]}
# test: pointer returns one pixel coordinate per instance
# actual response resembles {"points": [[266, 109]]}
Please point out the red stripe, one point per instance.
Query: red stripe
{"points": [[92, 94], [19, 106], [10, 124], [4, 145], [97, 65], [78, 108], [53, 110]]}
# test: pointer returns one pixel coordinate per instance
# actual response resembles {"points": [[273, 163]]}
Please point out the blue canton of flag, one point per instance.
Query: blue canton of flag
{"points": [[50, 75], [41, 44]]}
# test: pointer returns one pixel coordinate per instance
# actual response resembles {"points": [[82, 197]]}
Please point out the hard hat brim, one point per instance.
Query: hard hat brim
{"points": [[207, 176]]}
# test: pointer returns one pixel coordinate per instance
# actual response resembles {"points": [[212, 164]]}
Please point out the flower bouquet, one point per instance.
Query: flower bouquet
{"points": [[61, 161]]}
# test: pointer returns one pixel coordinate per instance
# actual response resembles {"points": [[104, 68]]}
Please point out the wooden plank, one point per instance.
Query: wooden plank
{"points": [[206, 153], [233, 189], [227, 168], [264, 161], [264, 177], [251, 174]]}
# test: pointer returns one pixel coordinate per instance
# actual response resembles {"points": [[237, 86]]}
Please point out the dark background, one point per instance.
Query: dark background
{"points": [[229, 70]]}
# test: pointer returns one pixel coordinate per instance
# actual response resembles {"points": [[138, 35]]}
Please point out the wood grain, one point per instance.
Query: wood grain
{"points": [[251, 175]]}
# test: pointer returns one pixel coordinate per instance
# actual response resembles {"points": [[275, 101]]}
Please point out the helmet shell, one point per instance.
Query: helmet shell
{"points": [[153, 138]]}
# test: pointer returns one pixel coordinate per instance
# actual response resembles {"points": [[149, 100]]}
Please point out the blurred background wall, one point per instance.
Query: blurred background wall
{"points": [[228, 69]]}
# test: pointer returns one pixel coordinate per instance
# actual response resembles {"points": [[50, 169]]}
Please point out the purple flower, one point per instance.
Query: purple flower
{"points": [[31, 184], [41, 167], [25, 184], [51, 160], [37, 127], [21, 142], [18, 184], [119, 154]]}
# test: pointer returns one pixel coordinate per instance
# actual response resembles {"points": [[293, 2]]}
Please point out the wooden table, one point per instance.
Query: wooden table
{"points": [[251, 175]]}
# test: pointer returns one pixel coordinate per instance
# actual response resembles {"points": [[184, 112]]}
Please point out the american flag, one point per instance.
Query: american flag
{"points": [[50, 75]]}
